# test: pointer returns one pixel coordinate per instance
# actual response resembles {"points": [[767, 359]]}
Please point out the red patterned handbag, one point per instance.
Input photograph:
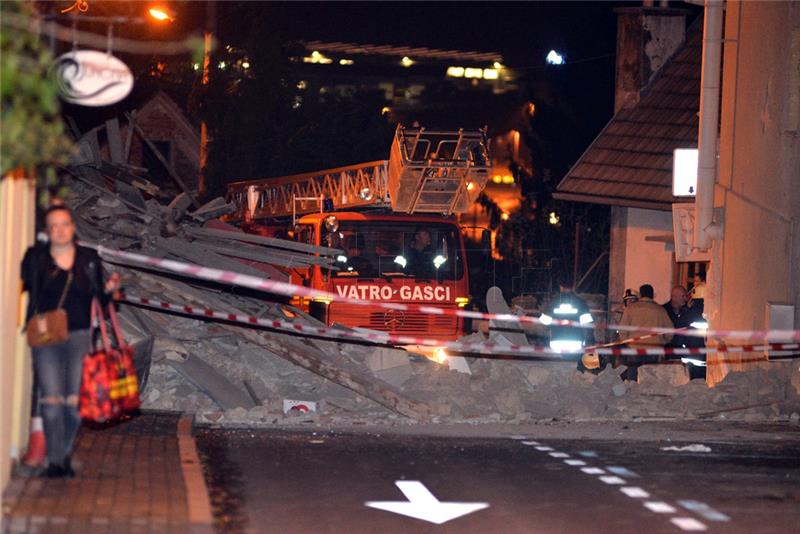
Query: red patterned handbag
{"points": [[109, 387]]}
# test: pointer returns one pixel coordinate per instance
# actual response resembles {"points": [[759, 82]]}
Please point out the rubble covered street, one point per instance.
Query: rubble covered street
{"points": [[227, 374]]}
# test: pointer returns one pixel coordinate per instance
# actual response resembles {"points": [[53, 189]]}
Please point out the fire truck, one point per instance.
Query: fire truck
{"points": [[393, 224]]}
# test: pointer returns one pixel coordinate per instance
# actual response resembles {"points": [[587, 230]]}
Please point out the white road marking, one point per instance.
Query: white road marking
{"points": [[704, 510], [635, 492], [593, 471], [559, 455], [588, 454], [660, 507], [688, 523], [613, 480], [544, 449], [422, 504], [622, 471], [530, 443], [574, 462]]}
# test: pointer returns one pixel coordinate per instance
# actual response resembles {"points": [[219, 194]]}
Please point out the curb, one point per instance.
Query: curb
{"points": [[199, 506]]}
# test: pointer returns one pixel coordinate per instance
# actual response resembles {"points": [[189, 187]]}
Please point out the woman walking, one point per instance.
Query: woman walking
{"points": [[62, 275]]}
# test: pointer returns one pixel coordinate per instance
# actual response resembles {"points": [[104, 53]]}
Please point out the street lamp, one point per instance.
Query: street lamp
{"points": [[160, 14]]}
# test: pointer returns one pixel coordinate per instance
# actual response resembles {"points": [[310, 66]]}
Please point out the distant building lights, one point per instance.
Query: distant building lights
{"points": [[455, 72], [498, 65], [490, 74], [316, 57], [531, 109], [508, 179], [497, 179], [554, 58], [504, 216], [470, 186], [196, 66], [222, 65], [553, 218], [302, 84], [245, 64], [471, 72], [385, 110], [346, 62], [406, 61]]}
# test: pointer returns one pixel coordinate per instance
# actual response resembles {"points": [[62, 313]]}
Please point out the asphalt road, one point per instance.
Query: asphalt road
{"points": [[277, 481]]}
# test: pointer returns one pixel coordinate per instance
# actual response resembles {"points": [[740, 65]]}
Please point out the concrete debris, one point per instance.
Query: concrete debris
{"points": [[213, 209], [233, 375], [212, 383]]}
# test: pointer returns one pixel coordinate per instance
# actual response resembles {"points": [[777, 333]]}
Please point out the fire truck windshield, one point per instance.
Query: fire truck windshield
{"points": [[407, 249]]}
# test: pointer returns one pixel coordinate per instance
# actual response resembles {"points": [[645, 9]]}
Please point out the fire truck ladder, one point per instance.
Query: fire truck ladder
{"points": [[354, 186], [437, 171]]}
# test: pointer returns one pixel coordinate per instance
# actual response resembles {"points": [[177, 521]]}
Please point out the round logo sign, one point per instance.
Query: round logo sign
{"points": [[92, 78]]}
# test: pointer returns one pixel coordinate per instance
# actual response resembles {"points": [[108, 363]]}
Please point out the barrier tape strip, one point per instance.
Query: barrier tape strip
{"points": [[488, 347], [626, 341], [656, 351], [336, 333], [287, 289]]}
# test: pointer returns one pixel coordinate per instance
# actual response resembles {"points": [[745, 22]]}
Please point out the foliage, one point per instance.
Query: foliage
{"points": [[32, 130]]}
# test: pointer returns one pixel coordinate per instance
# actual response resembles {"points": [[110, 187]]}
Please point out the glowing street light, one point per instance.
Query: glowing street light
{"points": [[554, 58], [160, 14]]}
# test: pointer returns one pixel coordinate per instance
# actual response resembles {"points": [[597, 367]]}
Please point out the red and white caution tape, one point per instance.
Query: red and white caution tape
{"points": [[283, 288], [339, 334], [495, 349], [656, 351]]}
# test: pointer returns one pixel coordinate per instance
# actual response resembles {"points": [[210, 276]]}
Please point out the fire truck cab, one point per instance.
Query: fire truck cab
{"points": [[394, 223], [388, 258]]}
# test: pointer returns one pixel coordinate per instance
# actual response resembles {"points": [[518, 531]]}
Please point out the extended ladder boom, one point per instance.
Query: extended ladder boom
{"points": [[428, 172], [354, 186]]}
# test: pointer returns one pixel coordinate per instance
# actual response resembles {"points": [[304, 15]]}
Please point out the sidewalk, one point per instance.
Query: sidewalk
{"points": [[130, 478]]}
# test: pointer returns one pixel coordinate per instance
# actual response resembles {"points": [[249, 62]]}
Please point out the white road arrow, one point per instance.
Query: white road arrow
{"points": [[423, 505]]}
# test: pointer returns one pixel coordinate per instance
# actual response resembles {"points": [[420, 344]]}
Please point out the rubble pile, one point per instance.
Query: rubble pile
{"points": [[230, 374]]}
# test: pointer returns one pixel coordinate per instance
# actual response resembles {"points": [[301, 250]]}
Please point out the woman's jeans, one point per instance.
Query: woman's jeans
{"points": [[59, 369]]}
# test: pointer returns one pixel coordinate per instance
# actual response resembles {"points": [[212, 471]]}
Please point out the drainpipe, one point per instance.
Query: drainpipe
{"points": [[705, 228]]}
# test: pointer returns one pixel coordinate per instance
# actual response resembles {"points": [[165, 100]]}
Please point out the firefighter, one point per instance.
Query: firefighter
{"points": [[568, 305]]}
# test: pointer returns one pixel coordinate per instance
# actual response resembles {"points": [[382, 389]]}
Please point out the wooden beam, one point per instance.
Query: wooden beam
{"points": [[160, 157]]}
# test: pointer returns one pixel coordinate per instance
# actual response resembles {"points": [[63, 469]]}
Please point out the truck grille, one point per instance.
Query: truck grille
{"points": [[396, 322]]}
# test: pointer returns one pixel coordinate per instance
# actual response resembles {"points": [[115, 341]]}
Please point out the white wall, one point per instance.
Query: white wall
{"points": [[649, 262], [17, 210], [758, 187]]}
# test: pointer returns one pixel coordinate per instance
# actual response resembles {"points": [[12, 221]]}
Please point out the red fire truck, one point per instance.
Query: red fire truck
{"points": [[393, 223]]}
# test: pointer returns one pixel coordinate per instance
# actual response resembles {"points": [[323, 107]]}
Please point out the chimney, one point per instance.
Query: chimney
{"points": [[646, 38]]}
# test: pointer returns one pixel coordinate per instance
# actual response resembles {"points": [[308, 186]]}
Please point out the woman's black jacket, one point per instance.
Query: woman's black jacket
{"points": [[34, 269]]}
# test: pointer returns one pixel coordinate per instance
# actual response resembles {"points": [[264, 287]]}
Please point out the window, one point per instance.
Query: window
{"points": [[406, 249]]}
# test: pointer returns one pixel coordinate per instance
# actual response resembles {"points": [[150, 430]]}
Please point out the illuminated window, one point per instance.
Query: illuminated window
{"points": [[470, 72], [508, 179], [406, 61], [490, 74], [498, 65], [346, 62], [302, 84], [455, 72], [497, 179]]}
